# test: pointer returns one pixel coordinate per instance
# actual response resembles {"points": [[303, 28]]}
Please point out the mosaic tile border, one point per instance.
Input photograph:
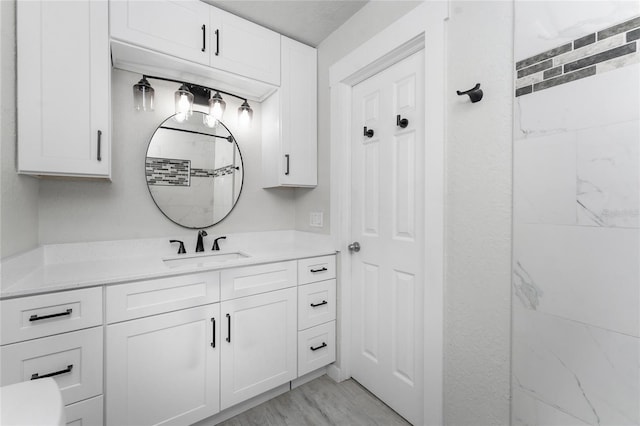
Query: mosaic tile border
{"points": [[174, 172], [611, 48], [167, 171]]}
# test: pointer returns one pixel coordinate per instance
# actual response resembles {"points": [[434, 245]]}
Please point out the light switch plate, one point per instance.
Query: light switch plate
{"points": [[315, 219]]}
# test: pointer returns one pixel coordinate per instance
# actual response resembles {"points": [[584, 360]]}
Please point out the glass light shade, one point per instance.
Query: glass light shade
{"points": [[184, 102], [245, 115], [143, 95], [217, 106]]}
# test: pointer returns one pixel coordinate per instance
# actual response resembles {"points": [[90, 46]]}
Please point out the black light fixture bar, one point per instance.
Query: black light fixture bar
{"points": [[228, 138], [191, 85]]}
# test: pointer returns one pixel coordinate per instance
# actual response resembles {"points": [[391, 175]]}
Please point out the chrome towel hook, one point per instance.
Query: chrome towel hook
{"points": [[475, 94]]}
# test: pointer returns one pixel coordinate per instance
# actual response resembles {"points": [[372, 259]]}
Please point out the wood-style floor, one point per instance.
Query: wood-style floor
{"points": [[321, 402]]}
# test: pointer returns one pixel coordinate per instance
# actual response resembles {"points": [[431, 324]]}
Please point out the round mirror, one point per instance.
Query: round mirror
{"points": [[194, 170]]}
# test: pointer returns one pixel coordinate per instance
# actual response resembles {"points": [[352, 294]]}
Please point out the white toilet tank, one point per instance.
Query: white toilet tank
{"points": [[32, 403]]}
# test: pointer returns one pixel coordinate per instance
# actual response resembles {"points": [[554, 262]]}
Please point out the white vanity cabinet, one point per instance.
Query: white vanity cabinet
{"points": [[63, 88], [164, 369], [289, 122], [57, 335], [163, 350], [197, 32], [259, 329]]}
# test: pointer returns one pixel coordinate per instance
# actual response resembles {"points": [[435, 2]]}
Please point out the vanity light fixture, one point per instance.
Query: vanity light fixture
{"points": [[245, 114], [186, 96], [184, 103], [143, 95]]}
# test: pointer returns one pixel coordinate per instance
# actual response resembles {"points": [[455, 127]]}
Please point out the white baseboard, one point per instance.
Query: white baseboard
{"points": [[308, 377], [336, 373]]}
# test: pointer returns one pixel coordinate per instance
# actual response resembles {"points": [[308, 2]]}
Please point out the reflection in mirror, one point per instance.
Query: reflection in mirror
{"points": [[194, 171]]}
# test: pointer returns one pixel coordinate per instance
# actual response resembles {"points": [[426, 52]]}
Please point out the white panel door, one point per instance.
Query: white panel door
{"points": [[387, 221], [244, 48], [63, 88], [164, 369], [177, 28], [259, 347]]}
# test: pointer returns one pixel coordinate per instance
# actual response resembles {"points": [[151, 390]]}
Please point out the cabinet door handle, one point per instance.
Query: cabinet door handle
{"points": [[323, 269], [323, 345], [99, 145], [37, 376], [38, 318], [228, 328], [213, 340], [217, 42], [315, 305], [286, 156], [204, 37]]}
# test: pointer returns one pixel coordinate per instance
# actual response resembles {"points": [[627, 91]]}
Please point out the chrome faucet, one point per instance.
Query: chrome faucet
{"points": [[215, 243], [200, 244]]}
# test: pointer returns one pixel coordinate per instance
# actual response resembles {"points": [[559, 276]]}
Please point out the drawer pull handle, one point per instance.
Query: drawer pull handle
{"points": [[323, 269], [213, 340], [36, 376], [315, 305], [61, 314], [228, 328], [323, 345]]}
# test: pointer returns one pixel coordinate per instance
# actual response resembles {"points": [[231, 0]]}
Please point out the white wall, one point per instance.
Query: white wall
{"points": [[478, 214], [19, 194], [123, 208], [368, 21]]}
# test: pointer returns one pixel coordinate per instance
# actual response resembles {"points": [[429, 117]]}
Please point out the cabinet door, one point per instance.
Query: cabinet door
{"points": [[63, 88], [244, 48], [289, 149], [177, 28], [164, 369], [259, 346], [299, 118]]}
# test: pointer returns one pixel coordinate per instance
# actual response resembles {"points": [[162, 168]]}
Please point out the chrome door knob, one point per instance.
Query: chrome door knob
{"points": [[354, 247]]}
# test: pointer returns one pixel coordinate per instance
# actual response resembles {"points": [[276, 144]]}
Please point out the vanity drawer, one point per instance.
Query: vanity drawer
{"points": [[73, 360], [31, 317], [316, 347], [246, 281], [88, 412], [151, 297], [316, 303], [316, 269]]}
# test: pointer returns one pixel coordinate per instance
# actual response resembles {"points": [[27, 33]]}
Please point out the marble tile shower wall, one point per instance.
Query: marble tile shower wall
{"points": [[576, 273]]}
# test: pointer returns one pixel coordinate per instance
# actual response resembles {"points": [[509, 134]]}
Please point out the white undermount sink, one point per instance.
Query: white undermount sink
{"points": [[204, 259]]}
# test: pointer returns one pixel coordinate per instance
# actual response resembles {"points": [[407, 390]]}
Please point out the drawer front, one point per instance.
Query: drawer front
{"points": [[31, 317], [316, 347], [316, 269], [85, 413], [74, 360], [144, 298], [240, 282], [316, 304]]}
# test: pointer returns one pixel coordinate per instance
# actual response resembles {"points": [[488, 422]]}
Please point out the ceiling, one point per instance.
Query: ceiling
{"points": [[308, 21]]}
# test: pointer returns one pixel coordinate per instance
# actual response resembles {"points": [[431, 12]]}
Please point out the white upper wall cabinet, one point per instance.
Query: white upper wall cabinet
{"points": [[63, 88], [177, 28], [242, 47], [289, 133], [197, 32]]}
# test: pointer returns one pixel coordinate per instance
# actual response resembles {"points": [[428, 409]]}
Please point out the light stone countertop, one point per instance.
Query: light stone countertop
{"points": [[70, 266]]}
